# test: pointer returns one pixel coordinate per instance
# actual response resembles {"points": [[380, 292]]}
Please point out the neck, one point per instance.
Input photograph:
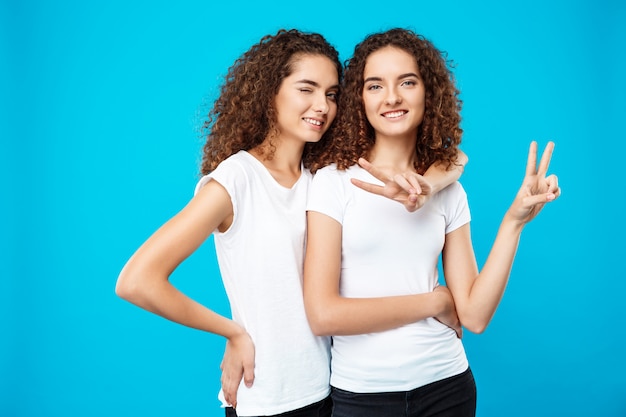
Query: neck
{"points": [[393, 154], [284, 163]]}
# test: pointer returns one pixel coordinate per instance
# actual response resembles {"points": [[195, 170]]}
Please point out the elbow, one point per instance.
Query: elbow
{"points": [[475, 325], [123, 289], [319, 327], [128, 288], [462, 160], [318, 330], [319, 322], [476, 328]]}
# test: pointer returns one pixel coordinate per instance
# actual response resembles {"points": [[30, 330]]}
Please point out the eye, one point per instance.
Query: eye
{"points": [[305, 90], [332, 96], [409, 83], [373, 87]]}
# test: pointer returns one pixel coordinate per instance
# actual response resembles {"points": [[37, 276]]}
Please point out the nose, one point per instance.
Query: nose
{"points": [[321, 104], [392, 97]]}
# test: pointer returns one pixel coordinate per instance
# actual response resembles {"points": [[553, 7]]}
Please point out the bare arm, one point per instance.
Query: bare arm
{"points": [[439, 177], [331, 314], [477, 294], [410, 188], [144, 280]]}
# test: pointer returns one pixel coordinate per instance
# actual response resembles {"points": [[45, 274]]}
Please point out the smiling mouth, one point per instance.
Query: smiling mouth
{"points": [[313, 122], [394, 114]]}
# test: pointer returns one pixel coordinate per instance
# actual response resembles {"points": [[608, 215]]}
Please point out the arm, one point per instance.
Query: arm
{"points": [[477, 295], [439, 177], [144, 280], [331, 314], [410, 188]]}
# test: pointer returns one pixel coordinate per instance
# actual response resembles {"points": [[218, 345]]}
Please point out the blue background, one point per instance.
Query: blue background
{"points": [[99, 108]]}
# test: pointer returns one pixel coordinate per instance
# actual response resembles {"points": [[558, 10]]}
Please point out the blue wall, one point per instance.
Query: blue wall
{"points": [[99, 105]]}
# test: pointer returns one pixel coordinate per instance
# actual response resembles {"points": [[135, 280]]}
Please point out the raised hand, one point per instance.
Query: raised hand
{"points": [[537, 189], [410, 189], [238, 362]]}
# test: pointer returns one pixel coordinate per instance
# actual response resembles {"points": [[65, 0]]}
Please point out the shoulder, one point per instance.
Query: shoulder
{"points": [[331, 184], [232, 173], [331, 176], [328, 168], [453, 191], [242, 160], [239, 168], [332, 171], [450, 199]]}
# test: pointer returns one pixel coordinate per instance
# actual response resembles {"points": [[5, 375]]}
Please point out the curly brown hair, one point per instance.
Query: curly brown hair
{"points": [[439, 134], [244, 115]]}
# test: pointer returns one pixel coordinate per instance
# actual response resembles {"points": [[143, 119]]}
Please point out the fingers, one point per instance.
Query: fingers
{"points": [[545, 159], [231, 381], [364, 163], [248, 373], [531, 164], [412, 182], [544, 164], [372, 188], [410, 185], [459, 331], [553, 184], [420, 183], [539, 199], [230, 385]]}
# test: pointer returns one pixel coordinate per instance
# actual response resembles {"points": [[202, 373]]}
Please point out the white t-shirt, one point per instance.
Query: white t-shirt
{"points": [[261, 260], [388, 251]]}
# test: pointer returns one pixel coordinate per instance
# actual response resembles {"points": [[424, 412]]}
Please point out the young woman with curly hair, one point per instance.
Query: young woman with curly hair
{"points": [[277, 102], [370, 275], [277, 99]]}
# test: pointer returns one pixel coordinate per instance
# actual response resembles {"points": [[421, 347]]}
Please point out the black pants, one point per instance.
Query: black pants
{"points": [[450, 397], [319, 409]]}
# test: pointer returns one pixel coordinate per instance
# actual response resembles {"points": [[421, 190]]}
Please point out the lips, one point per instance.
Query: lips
{"points": [[312, 121], [394, 114]]}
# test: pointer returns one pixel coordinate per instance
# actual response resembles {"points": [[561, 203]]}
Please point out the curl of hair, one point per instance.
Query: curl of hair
{"points": [[439, 134], [244, 115]]}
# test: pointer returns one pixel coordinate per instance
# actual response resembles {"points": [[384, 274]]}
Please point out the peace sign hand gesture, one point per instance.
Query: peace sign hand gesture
{"points": [[537, 189], [410, 189]]}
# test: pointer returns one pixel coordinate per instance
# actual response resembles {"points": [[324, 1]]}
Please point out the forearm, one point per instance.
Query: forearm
{"points": [[329, 313], [489, 286], [144, 279], [336, 315], [162, 298], [439, 176], [477, 295]]}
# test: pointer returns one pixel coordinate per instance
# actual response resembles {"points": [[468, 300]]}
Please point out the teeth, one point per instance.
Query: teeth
{"points": [[394, 114], [313, 121]]}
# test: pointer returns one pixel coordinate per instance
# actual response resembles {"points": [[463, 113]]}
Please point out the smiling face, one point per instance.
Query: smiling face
{"points": [[306, 103], [393, 94]]}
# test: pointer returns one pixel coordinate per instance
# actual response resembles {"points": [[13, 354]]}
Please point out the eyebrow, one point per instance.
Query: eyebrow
{"points": [[408, 74], [315, 84]]}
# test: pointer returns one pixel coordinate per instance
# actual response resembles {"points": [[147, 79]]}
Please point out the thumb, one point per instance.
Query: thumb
{"points": [[539, 199], [248, 375]]}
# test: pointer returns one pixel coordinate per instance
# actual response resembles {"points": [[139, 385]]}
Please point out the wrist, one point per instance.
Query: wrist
{"points": [[512, 224], [434, 188], [439, 302], [235, 331]]}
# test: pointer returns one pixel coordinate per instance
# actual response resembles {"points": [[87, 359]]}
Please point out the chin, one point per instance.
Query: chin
{"points": [[315, 139]]}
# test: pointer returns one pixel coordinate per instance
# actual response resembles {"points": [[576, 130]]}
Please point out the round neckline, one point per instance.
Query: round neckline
{"points": [[269, 174]]}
